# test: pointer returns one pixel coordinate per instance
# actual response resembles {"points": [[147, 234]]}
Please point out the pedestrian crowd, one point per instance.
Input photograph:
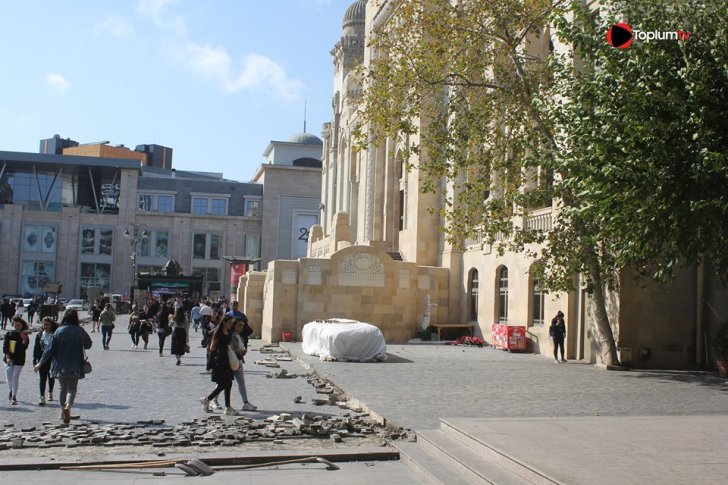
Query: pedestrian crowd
{"points": [[59, 351]]}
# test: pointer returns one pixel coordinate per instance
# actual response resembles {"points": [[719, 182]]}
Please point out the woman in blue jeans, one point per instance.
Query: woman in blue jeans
{"points": [[236, 343], [66, 354]]}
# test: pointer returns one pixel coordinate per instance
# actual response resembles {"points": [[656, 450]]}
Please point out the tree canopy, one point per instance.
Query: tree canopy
{"points": [[517, 105]]}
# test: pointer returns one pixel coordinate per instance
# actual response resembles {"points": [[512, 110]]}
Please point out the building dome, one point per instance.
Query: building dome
{"points": [[305, 139], [355, 13]]}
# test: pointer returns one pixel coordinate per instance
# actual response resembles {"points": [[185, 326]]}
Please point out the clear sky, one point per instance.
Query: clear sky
{"points": [[215, 80]]}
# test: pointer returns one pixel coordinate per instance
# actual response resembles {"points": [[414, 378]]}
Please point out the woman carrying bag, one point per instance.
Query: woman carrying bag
{"points": [[222, 372], [180, 331], [240, 350], [66, 353], [14, 345]]}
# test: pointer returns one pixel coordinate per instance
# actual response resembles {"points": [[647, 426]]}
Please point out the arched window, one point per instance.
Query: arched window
{"points": [[502, 295], [473, 292], [537, 303]]}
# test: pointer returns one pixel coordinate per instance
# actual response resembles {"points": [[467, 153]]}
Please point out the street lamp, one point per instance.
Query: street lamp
{"points": [[135, 233]]}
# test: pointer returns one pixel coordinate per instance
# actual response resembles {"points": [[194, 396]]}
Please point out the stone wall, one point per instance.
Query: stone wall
{"points": [[358, 282], [250, 296]]}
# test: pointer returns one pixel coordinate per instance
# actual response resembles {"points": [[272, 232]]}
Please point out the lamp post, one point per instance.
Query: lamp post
{"points": [[135, 233]]}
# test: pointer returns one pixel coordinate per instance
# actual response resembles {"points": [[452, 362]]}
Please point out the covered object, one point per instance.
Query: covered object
{"points": [[342, 339]]}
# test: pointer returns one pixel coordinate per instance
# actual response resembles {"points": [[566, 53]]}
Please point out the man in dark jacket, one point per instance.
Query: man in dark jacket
{"points": [[6, 311]]}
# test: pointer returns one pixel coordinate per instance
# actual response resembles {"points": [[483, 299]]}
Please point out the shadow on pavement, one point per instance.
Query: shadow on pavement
{"points": [[692, 377]]}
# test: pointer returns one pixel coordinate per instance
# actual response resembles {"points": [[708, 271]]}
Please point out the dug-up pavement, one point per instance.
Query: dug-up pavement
{"points": [[451, 414]]}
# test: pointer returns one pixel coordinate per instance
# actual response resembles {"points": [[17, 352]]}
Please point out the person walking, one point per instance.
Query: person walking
{"points": [[240, 350], [106, 321], [145, 328], [163, 330], [95, 314], [222, 374], [6, 311], [133, 328], [195, 316], [66, 354], [14, 345], [557, 332], [181, 329], [42, 341], [31, 312], [20, 310], [205, 317]]}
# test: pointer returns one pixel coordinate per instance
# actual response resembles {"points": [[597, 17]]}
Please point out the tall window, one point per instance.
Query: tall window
{"points": [[97, 241], [503, 295], [156, 245], [538, 298], [95, 275], [39, 239], [35, 274], [210, 279], [402, 202], [206, 246], [252, 207], [473, 291]]}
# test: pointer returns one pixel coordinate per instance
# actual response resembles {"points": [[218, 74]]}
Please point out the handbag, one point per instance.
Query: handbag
{"points": [[87, 368], [233, 359]]}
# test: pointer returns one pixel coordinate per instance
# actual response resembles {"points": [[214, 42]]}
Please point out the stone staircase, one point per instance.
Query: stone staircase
{"points": [[452, 456]]}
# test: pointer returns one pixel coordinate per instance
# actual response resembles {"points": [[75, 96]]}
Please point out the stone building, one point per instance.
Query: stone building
{"points": [[66, 215], [377, 256]]}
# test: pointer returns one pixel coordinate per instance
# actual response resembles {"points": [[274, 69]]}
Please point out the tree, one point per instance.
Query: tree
{"points": [[629, 144]]}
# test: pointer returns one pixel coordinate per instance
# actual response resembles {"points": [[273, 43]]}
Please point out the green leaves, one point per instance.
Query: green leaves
{"points": [[630, 144]]}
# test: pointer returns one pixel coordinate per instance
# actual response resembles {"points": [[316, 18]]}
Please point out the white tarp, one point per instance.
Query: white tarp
{"points": [[342, 339]]}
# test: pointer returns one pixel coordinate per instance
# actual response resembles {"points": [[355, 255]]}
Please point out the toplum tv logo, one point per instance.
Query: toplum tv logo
{"points": [[621, 35]]}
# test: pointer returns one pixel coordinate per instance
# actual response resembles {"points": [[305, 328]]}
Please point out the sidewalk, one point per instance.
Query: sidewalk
{"points": [[524, 405], [419, 384], [554, 423]]}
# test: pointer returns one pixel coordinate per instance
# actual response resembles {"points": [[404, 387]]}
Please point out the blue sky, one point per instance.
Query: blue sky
{"points": [[215, 80]]}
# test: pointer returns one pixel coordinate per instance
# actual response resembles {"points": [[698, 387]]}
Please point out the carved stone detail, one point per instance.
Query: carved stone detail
{"points": [[361, 270], [404, 278], [423, 282], [290, 276], [314, 275]]}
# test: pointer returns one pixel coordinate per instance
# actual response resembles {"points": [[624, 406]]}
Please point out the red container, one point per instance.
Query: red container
{"points": [[509, 337], [286, 336]]}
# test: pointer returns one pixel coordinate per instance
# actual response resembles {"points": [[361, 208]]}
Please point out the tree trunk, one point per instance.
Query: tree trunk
{"points": [[604, 329]]}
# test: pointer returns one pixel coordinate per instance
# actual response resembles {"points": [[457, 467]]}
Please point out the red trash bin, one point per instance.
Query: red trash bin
{"points": [[508, 337]]}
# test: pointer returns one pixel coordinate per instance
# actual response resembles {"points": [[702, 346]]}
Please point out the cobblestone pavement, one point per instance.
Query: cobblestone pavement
{"points": [[134, 397], [418, 384]]}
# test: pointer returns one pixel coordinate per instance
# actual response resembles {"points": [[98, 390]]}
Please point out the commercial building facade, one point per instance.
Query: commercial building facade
{"points": [[69, 213]]}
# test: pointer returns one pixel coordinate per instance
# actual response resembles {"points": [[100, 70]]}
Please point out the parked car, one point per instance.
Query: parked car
{"points": [[27, 302], [75, 305], [62, 302]]}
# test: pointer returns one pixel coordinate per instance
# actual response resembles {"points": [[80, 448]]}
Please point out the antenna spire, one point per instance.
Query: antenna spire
{"points": [[304, 116]]}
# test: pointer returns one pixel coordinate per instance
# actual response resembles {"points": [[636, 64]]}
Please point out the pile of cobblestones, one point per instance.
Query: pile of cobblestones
{"points": [[209, 431]]}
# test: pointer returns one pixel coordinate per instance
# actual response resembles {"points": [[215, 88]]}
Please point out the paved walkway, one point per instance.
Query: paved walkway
{"points": [[416, 387], [419, 384]]}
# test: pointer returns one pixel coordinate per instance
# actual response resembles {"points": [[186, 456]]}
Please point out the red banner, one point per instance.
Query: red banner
{"points": [[236, 271]]}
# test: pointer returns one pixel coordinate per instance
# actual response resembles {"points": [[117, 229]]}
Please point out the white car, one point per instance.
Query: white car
{"points": [[75, 305]]}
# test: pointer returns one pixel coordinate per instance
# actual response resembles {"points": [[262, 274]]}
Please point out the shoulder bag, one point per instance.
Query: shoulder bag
{"points": [[87, 368], [233, 359]]}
